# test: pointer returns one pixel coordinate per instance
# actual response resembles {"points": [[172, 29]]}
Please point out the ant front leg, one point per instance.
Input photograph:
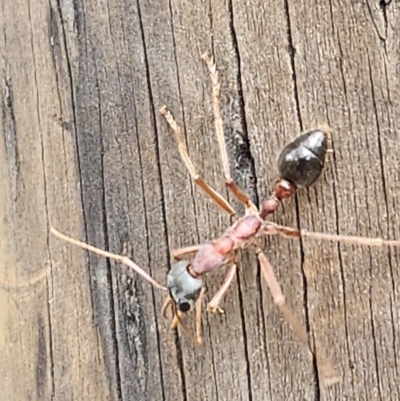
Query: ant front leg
{"points": [[239, 194], [177, 254], [213, 305]]}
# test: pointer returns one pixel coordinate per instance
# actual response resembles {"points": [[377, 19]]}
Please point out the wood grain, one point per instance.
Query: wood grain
{"points": [[85, 150]]}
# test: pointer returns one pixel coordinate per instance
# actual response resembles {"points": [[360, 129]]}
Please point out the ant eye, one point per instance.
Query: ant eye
{"points": [[183, 305]]}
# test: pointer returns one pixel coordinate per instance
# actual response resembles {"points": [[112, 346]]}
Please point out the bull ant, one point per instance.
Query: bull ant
{"points": [[300, 164]]}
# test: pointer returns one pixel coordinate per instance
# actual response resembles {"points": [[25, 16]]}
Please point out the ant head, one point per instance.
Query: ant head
{"points": [[184, 289]]}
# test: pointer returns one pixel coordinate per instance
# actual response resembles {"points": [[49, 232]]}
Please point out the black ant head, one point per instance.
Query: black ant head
{"points": [[184, 289]]}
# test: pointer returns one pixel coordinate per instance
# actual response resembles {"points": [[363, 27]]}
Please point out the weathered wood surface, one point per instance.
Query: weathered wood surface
{"points": [[84, 149]]}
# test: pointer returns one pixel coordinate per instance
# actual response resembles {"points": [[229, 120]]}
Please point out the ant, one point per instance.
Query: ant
{"points": [[300, 164]]}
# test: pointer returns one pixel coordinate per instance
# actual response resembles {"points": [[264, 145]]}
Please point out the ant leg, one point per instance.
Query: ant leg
{"points": [[350, 239], [176, 314], [121, 259], [176, 320], [295, 233], [178, 253], [199, 301], [213, 305], [279, 298], [239, 194], [168, 303], [328, 372], [214, 195]]}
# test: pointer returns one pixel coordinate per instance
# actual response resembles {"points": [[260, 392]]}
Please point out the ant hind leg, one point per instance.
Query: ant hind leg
{"points": [[326, 368], [289, 232]]}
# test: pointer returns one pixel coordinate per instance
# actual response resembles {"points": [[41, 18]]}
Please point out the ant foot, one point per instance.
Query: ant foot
{"points": [[215, 309]]}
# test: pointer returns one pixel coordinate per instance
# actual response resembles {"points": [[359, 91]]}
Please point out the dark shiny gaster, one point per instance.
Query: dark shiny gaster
{"points": [[301, 162]]}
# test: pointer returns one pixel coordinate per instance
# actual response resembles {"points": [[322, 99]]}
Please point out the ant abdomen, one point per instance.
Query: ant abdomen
{"points": [[301, 162]]}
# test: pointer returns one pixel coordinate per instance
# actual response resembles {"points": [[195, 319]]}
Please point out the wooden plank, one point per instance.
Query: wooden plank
{"points": [[50, 338], [268, 88], [361, 312], [85, 149]]}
